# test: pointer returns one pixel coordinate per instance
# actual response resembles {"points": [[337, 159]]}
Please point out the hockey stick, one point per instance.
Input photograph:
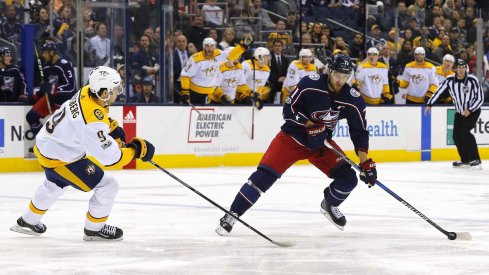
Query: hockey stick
{"points": [[42, 79], [451, 235], [253, 103], [193, 108], [281, 244]]}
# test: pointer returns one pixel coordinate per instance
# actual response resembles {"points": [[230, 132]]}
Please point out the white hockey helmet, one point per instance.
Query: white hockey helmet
{"points": [[449, 57], [260, 53], [305, 53], [419, 50], [103, 77], [208, 41]]}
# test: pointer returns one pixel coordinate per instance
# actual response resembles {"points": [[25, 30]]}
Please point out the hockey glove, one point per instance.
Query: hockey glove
{"points": [[317, 134], [246, 41], [144, 149], [368, 173], [255, 99], [185, 97], [117, 133], [225, 100]]}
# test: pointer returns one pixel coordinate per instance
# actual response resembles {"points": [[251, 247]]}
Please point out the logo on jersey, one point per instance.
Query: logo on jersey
{"points": [[8, 83], [210, 71], [98, 114], [231, 82], [90, 170], [103, 73], [329, 117], [53, 79], [354, 92], [314, 76], [188, 66], [418, 78], [375, 79]]}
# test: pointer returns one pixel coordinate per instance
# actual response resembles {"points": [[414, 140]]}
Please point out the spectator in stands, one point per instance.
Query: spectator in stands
{"points": [[435, 27], [147, 95], [340, 43], [462, 32], [316, 31], [357, 47], [403, 16], [63, 22], [376, 40], [197, 33], [420, 11], [424, 41], [213, 14], [121, 69], [439, 37], [383, 19], [88, 22], [413, 24], [447, 24], [280, 34], [278, 69], [12, 81], [408, 34], [386, 57], [257, 11], [448, 7], [153, 47], [244, 25], [10, 29], [180, 58], [144, 63], [118, 55], [227, 38], [406, 54], [391, 40], [213, 34], [191, 49], [443, 49], [99, 46], [454, 39], [292, 23]]}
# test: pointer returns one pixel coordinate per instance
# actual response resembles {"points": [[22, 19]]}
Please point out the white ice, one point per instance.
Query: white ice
{"points": [[168, 229]]}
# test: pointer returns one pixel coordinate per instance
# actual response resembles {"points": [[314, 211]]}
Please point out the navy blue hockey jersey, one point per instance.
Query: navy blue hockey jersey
{"points": [[312, 100], [61, 74], [12, 84]]}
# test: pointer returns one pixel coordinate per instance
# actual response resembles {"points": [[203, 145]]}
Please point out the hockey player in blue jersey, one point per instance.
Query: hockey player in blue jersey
{"points": [[12, 81], [58, 83], [311, 113]]}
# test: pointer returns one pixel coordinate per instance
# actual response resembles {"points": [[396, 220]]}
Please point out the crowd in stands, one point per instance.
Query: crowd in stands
{"points": [[441, 27]]}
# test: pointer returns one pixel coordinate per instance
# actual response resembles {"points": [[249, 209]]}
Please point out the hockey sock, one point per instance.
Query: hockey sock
{"points": [[246, 197], [345, 180]]}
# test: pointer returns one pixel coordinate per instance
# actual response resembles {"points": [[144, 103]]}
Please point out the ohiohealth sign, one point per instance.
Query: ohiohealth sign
{"points": [[481, 130]]}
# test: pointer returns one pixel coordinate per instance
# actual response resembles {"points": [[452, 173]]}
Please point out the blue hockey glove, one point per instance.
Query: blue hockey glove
{"points": [[317, 134], [368, 173], [144, 149]]}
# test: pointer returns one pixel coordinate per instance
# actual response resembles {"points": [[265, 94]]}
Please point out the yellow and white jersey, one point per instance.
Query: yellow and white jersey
{"points": [[78, 126], [200, 74], [260, 76], [418, 79], [231, 78], [373, 80], [296, 72], [442, 75]]}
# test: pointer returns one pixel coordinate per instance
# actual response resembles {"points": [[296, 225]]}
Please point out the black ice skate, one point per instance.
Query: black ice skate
{"points": [[107, 233], [29, 229], [475, 165], [460, 164], [333, 214], [226, 224]]}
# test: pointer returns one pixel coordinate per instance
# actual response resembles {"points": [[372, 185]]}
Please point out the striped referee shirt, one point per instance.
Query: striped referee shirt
{"points": [[466, 93]]}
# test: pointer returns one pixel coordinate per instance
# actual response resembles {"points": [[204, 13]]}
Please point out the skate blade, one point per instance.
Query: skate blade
{"points": [[23, 230], [331, 220], [477, 167], [97, 239], [221, 231]]}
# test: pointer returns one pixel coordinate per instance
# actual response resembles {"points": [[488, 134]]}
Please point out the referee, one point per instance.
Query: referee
{"points": [[467, 95]]}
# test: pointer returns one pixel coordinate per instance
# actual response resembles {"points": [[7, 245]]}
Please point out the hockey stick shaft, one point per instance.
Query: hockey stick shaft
{"points": [[450, 235], [253, 103], [41, 73], [193, 108], [283, 244]]}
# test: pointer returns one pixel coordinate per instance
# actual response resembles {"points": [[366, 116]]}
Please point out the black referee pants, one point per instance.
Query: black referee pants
{"points": [[463, 138]]}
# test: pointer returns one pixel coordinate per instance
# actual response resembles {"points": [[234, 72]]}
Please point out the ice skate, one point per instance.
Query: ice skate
{"points": [[475, 165], [460, 164], [333, 214], [226, 224], [29, 229], [107, 233]]}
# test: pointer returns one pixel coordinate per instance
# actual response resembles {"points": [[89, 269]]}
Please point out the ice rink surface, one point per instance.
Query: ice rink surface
{"points": [[168, 229]]}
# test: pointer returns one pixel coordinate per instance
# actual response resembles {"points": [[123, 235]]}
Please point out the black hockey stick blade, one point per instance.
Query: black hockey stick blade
{"points": [[450, 235], [281, 244]]}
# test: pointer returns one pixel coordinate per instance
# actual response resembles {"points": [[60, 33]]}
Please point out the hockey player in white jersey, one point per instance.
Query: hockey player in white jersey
{"points": [[297, 70], [256, 72], [372, 79], [82, 124]]}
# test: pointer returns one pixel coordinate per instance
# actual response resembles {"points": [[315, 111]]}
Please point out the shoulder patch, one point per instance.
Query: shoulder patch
{"points": [[64, 61], [314, 76], [354, 92], [98, 114]]}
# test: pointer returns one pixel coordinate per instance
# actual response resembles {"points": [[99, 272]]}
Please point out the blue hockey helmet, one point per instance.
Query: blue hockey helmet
{"points": [[48, 46], [5, 51], [340, 63]]}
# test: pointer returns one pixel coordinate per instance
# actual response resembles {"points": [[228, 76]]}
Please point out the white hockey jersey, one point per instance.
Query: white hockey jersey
{"points": [[296, 72], [418, 79], [232, 79], [200, 74], [373, 80], [78, 126], [257, 80]]}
